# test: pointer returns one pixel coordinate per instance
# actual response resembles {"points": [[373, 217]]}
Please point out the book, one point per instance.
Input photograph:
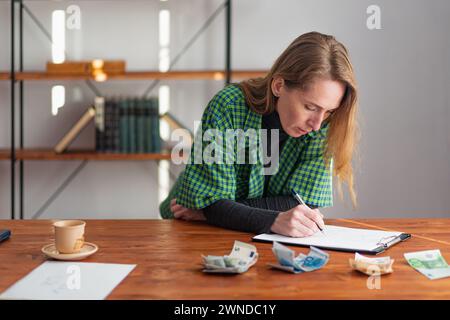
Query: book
{"points": [[148, 126], [99, 104], [123, 125], [156, 138], [109, 126], [115, 122], [70, 136], [127, 125], [140, 126], [132, 125]]}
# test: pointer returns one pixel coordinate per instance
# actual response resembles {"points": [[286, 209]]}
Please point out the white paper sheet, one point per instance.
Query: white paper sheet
{"points": [[339, 238], [58, 280]]}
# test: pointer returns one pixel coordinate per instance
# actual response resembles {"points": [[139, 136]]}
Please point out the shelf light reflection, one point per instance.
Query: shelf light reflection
{"points": [[164, 40], [58, 36], [58, 98], [97, 70], [164, 99], [164, 28], [164, 106]]}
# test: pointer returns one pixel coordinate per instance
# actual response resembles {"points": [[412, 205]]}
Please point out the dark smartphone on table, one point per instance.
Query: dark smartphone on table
{"points": [[4, 234]]}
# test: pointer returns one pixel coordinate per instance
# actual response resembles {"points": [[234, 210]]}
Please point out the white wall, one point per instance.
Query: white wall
{"points": [[403, 73]]}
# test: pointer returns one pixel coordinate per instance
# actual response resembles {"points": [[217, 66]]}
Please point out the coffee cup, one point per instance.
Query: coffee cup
{"points": [[69, 235]]}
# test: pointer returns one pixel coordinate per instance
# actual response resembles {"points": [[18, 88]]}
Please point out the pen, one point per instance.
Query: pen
{"points": [[300, 200]]}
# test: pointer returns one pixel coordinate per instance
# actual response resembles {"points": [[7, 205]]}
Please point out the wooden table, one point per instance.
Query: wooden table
{"points": [[167, 254]]}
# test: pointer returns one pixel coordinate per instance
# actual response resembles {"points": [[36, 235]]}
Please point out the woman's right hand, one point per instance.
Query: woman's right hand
{"points": [[298, 222]]}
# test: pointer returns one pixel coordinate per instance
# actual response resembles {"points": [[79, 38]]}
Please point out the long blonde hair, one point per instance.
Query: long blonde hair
{"points": [[310, 57]]}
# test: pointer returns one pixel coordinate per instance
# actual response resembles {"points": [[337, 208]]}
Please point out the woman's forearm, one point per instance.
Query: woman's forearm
{"points": [[251, 215], [233, 215]]}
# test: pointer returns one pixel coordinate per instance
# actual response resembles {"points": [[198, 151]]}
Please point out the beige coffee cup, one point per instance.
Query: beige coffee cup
{"points": [[69, 235]]}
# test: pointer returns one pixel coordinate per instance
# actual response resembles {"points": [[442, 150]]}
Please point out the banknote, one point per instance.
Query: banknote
{"points": [[372, 266], [430, 263], [240, 259], [376, 260], [287, 261]]}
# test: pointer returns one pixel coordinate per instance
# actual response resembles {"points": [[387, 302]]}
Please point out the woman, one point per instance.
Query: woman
{"points": [[310, 96]]}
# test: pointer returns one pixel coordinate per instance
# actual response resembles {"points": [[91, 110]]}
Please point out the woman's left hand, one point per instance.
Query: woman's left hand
{"points": [[180, 212]]}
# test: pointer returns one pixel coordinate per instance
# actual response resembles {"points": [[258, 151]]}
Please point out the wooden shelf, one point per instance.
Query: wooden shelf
{"points": [[4, 76], [48, 154], [5, 154], [140, 75]]}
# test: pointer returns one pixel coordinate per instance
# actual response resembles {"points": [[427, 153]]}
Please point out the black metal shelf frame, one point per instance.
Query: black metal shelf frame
{"points": [[13, 160]]}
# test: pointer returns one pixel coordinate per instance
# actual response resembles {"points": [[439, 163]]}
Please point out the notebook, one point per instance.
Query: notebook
{"points": [[343, 239]]}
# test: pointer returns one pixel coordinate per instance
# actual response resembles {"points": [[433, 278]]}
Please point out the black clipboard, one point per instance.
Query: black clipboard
{"points": [[384, 244]]}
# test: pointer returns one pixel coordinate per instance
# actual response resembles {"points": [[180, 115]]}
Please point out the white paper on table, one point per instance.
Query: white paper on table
{"points": [[57, 280], [339, 238]]}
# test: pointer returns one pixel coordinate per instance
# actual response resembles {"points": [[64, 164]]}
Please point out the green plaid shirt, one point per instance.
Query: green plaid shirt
{"points": [[301, 163]]}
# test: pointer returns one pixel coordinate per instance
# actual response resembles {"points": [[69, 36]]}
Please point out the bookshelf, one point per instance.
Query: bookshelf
{"points": [[5, 154], [141, 75], [49, 154], [88, 154], [18, 153], [4, 76]]}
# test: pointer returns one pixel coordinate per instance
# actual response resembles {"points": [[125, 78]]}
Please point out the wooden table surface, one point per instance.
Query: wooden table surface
{"points": [[167, 254]]}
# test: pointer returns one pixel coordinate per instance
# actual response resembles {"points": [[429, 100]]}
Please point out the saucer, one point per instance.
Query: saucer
{"points": [[88, 248]]}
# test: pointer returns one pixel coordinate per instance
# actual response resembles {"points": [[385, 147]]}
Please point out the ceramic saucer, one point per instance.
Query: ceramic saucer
{"points": [[88, 248]]}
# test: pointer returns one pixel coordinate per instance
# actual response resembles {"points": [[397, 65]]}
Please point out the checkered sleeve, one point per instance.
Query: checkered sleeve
{"points": [[205, 181]]}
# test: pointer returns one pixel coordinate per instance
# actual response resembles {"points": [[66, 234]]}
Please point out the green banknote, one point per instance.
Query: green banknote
{"points": [[430, 263]]}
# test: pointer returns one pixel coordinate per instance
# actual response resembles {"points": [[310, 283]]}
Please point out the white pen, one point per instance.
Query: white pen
{"points": [[300, 200]]}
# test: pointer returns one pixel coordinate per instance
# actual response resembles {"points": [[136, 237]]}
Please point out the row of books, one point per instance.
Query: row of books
{"points": [[127, 125], [122, 125]]}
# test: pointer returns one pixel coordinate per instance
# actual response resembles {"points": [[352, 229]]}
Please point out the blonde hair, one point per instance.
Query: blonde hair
{"points": [[310, 57]]}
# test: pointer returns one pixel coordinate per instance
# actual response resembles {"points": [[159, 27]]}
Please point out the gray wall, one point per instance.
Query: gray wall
{"points": [[403, 74]]}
